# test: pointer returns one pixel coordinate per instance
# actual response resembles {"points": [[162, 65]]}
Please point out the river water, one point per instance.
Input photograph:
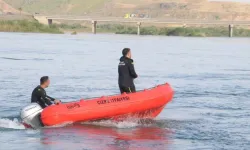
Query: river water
{"points": [[210, 76]]}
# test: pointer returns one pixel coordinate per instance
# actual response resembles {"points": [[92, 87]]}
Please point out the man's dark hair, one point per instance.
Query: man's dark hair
{"points": [[44, 79], [125, 51]]}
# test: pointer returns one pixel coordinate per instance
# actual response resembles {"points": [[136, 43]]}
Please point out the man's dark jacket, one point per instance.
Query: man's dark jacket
{"points": [[126, 72], [39, 96]]}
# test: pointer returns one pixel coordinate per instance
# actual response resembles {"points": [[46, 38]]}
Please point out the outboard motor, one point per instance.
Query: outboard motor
{"points": [[30, 115]]}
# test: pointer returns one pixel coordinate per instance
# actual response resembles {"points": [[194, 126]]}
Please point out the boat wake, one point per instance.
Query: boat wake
{"points": [[14, 123], [128, 123], [110, 123], [11, 123]]}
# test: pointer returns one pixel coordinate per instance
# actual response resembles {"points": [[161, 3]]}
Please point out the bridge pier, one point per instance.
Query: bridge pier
{"points": [[138, 28], [230, 28], [94, 26], [50, 22]]}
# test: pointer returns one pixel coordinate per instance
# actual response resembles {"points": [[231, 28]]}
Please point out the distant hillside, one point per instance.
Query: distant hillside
{"points": [[180, 9], [58, 6], [6, 8]]}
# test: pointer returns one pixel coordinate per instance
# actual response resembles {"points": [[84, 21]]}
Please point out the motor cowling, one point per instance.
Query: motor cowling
{"points": [[30, 115]]}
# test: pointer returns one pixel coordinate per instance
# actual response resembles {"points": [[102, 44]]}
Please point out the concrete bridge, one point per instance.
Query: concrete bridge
{"points": [[48, 20]]}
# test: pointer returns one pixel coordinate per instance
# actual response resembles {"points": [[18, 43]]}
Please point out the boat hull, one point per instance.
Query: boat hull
{"points": [[143, 104]]}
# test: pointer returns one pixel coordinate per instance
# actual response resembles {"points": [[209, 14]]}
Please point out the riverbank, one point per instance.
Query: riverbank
{"points": [[27, 26], [163, 31], [177, 31], [36, 27]]}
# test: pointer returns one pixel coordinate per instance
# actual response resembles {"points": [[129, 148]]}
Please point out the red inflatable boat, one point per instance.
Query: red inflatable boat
{"points": [[143, 104]]}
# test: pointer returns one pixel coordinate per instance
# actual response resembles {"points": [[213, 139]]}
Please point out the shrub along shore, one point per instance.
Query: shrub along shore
{"points": [[176, 31], [27, 26], [35, 27]]}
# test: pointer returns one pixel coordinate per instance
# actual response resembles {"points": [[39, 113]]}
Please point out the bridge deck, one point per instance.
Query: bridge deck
{"points": [[149, 20]]}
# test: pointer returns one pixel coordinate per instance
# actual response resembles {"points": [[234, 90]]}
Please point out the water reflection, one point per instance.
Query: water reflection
{"points": [[94, 137]]}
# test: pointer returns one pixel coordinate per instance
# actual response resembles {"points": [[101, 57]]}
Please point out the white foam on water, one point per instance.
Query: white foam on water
{"points": [[32, 132], [117, 124], [60, 125], [11, 124]]}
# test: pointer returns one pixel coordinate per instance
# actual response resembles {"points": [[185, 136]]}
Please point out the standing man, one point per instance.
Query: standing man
{"points": [[39, 94], [126, 72]]}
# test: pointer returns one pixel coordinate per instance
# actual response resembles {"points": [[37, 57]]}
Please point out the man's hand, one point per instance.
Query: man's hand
{"points": [[57, 101]]}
